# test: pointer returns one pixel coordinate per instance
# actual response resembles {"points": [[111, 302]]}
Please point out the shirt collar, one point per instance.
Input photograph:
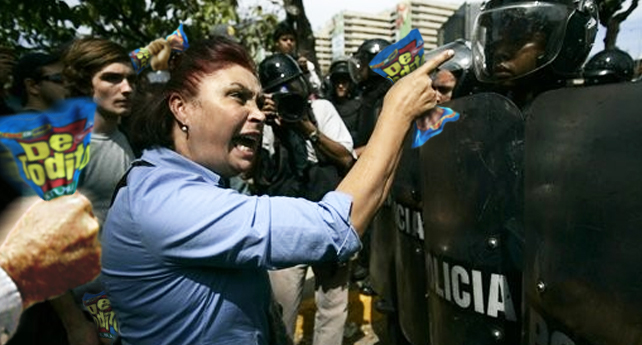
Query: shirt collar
{"points": [[166, 158]]}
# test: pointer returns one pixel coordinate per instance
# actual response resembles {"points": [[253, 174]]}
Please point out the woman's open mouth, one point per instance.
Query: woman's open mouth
{"points": [[248, 142]]}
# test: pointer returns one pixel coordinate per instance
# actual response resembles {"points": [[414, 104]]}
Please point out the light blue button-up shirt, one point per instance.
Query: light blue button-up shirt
{"points": [[184, 260]]}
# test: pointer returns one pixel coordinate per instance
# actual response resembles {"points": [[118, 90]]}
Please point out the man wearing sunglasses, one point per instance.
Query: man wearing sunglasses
{"points": [[37, 81]]}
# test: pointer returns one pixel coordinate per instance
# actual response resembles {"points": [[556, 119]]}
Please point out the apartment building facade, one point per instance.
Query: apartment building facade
{"points": [[347, 30]]}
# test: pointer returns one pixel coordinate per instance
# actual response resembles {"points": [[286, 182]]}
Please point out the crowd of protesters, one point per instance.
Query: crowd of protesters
{"points": [[216, 185], [204, 245]]}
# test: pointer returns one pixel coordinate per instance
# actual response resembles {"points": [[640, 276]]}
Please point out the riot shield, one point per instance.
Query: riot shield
{"points": [[472, 184], [583, 217], [410, 269]]}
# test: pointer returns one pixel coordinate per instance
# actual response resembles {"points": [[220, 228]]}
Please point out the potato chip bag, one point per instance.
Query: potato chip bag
{"points": [[104, 316], [141, 57], [399, 59], [50, 148]]}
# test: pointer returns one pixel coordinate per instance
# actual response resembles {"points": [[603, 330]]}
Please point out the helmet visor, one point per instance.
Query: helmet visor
{"points": [[459, 62], [358, 69], [514, 41]]}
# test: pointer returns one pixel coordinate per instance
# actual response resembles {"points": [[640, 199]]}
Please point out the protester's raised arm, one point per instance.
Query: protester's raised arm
{"points": [[370, 178]]}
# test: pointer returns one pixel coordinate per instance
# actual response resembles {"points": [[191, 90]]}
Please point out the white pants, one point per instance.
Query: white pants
{"points": [[331, 297]]}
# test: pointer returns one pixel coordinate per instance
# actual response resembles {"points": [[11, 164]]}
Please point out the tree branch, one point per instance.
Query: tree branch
{"points": [[132, 26], [620, 17]]}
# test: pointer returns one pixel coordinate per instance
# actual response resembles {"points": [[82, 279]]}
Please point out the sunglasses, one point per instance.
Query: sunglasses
{"points": [[54, 78]]}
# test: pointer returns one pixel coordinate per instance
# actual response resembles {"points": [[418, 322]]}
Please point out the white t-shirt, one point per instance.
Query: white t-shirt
{"points": [[313, 77], [10, 306], [329, 123]]}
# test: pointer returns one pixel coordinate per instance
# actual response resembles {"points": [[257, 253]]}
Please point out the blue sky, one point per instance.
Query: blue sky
{"points": [[630, 37]]}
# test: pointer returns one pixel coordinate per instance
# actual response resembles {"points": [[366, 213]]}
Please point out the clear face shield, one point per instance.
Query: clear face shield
{"points": [[511, 42], [359, 69], [461, 61]]}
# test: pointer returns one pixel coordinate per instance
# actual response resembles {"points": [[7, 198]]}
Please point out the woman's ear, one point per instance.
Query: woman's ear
{"points": [[178, 106]]}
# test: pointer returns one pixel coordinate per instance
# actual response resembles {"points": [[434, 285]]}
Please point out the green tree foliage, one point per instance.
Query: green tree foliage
{"points": [[47, 24], [611, 17]]}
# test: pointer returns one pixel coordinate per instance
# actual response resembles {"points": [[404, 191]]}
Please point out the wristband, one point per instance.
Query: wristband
{"points": [[314, 136]]}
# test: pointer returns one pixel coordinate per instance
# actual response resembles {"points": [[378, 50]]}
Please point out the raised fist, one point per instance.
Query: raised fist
{"points": [[53, 247]]}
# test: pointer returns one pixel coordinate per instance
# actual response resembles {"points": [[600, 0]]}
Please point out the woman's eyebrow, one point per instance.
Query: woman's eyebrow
{"points": [[243, 87]]}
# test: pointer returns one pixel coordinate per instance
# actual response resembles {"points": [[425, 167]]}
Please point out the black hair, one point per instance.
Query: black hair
{"points": [[283, 28], [30, 66]]}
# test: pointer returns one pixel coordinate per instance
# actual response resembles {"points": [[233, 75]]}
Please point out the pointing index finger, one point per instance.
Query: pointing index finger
{"points": [[433, 63]]}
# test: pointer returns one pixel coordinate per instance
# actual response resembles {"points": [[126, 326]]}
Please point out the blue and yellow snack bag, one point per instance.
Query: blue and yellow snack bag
{"points": [[141, 57], [50, 148], [399, 59], [178, 40], [99, 307], [432, 124]]}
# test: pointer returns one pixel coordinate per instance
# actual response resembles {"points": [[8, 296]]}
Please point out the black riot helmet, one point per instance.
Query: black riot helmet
{"points": [[281, 76], [359, 63], [460, 65], [277, 70], [340, 70], [609, 66], [339, 67], [514, 39]]}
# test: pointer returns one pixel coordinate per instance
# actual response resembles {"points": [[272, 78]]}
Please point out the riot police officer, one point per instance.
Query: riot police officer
{"points": [[477, 241], [522, 48], [581, 160], [609, 66], [577, 221], [342, 94], [371, 87]]}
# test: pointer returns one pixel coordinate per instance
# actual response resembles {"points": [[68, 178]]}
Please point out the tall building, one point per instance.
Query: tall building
{"points": [[460, 24], [347, 30]]}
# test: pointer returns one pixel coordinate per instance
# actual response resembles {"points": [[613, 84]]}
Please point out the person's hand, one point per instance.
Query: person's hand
{"points": [[412, 96], [53, 247], [161, 51], [270, 111]]}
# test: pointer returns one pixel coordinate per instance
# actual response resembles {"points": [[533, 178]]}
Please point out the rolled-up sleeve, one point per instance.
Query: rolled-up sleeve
{"points": [[324, 233], [10, 305], [183, 218]]}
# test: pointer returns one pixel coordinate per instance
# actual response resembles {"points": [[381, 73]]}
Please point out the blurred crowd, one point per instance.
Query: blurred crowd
{"points": [[317, 127]]}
